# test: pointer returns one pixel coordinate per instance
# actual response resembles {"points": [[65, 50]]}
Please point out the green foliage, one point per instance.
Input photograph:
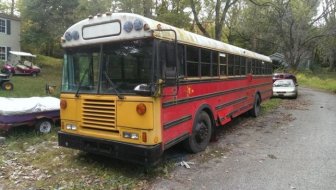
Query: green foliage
{"points": [[270, 104], [44, 22], [325, 81]]}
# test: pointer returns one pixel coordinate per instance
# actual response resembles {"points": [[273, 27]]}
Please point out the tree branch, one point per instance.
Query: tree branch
{"points": [[198, 23]]}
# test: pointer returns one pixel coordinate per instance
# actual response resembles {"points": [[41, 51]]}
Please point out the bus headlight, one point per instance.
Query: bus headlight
{"points": [[71, 127], [130, 135]]}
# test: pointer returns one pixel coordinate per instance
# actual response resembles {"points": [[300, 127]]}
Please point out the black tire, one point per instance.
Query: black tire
{"points": [[43, 126], [201, 133], [296, 95], [34, 74], [8, 86], [255, 111]]}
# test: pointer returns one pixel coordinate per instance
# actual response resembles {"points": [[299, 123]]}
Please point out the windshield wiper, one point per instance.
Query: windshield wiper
{"points": [[81, 81], [113, 86]]}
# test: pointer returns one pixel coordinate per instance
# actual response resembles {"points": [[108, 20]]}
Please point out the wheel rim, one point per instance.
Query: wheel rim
{"points": [[8, 86], [202, 131], [45, 127], [257, 106]]}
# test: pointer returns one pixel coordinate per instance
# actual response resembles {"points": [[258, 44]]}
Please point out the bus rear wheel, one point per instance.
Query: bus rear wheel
{"points": [[255, 111], [201, 133]]}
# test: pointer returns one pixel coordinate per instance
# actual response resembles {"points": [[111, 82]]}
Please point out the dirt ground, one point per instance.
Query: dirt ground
{"points": [[282, 149], [291, 147]]}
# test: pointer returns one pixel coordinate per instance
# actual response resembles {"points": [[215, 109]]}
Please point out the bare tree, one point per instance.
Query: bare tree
{"points": [[221, 9]]}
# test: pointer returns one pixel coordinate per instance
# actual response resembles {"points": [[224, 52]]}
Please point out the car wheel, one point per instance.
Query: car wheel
{"points": [[295, 96], [7, 86], [43, 126], [201, 133], [255, 111], [34, 74]]}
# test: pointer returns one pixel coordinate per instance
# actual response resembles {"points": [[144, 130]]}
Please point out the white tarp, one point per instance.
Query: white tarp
{"points": [[14, 106], [20, 53]]}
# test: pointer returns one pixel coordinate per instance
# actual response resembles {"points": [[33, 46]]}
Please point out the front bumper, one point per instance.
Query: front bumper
{"points": [[286, 94], [139, 154]]}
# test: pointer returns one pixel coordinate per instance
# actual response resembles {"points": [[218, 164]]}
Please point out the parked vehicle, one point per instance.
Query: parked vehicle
{"points": [[277, 76], [21, 64], [285, 88], [5, 82], [40, 112]]}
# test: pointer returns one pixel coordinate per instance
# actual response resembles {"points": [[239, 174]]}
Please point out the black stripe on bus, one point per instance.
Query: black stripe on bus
{"points": [[186, 100], [266, 91], [227, 78], [221, 106], [176, 122], [198, 81], [176, 140]]}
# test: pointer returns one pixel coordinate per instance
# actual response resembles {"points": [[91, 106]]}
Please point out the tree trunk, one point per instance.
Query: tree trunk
{"points": [[198, 23], [12, 7], [147, 8], [332, 66]]}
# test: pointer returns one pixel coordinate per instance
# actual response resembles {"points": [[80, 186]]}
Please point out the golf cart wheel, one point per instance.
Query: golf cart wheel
{"points": [[7, 86], [44, 126]]}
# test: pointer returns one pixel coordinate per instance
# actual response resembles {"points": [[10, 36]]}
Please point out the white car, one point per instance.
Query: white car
{"points": [[285, 88]]}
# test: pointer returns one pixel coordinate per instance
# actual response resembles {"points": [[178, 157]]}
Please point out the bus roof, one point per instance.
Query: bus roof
{"points": [[109, 27]]}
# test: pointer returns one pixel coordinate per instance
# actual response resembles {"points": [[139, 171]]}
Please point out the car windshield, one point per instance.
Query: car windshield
{"points": [[283, 83], [115, 68]]}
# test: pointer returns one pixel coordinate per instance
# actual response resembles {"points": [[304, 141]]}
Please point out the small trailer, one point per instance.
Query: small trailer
{"points": [[40, 112]]}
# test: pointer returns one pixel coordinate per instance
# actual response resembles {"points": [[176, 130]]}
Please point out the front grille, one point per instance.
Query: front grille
{"points": [[99, 114]]}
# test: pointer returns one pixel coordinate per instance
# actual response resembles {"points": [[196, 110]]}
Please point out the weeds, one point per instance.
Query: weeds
{"points": [[325, 81]]}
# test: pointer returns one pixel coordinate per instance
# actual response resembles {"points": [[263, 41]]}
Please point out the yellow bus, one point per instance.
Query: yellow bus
{"points": [[133, 87]]}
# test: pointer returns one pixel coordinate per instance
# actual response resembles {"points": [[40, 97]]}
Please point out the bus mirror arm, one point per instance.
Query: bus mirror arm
{"points": [[171, 76]]}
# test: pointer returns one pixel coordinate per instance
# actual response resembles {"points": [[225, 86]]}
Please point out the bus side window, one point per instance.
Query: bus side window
{"points": [[223, 64], [181, 59], [242, 66], [205, 62], [236, 65], [192, 61], [248, 66], [214, 63], [231, 65], [254, 67]]}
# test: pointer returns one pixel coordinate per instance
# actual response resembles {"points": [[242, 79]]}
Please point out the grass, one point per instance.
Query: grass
{"points": [[28, 86], [270, 104], [324, 80]]}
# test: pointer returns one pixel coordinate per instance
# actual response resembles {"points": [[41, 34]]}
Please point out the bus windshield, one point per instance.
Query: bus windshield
{"points": [[115, 68]]}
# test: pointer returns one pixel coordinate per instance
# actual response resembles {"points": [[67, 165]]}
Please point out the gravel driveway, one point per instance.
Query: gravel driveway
{"points": [[292, 147]]}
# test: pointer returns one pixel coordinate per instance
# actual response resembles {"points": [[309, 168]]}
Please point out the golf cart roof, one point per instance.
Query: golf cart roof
{"points": [[19, 53]]}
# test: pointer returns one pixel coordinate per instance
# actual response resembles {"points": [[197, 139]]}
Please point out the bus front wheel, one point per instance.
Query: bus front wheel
{"points": [[201, 133], [255, 111]]}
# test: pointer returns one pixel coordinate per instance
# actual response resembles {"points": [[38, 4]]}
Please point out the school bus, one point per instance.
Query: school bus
{"points": [[133, 87]]}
